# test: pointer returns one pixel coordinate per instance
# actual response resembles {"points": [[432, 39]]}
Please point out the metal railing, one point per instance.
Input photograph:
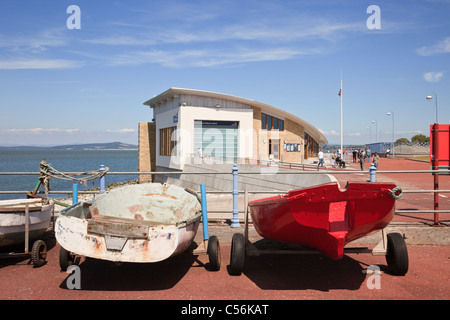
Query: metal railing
{"points": [[235, 192]]}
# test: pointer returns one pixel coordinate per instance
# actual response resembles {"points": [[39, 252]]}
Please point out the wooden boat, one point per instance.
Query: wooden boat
{"points": [[138, 223], [13, 220], [325, 217]]}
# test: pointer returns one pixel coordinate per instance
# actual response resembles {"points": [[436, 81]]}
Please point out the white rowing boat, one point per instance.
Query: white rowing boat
{"points": [[13, 222], [138, 223]]}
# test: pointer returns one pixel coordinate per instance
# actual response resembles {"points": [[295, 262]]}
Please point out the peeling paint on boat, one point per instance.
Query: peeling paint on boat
{"points": [[139, 223]]}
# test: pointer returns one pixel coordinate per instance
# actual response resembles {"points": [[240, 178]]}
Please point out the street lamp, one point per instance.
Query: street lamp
{"points": [[430, 98], [393, 139], [376, 130]]}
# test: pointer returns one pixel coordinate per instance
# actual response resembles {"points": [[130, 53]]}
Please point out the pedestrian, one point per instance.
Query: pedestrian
{"points": [[355, 151], [368, 154], [333, 159], [320, 158], [375, 158], [362, 158]]}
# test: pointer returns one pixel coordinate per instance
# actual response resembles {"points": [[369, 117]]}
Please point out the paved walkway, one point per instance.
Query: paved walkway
{"points": [[408, 182]]}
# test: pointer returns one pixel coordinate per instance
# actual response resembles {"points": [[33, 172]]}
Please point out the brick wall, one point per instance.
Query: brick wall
{"points": [[147, 150]]}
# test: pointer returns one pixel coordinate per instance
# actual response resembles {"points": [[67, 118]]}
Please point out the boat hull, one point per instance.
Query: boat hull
{"points": [[325, 217], [146, 228], [12, 224]]}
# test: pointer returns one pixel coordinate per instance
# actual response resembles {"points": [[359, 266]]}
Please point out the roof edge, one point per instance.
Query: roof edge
{"points": [[310, 129]]}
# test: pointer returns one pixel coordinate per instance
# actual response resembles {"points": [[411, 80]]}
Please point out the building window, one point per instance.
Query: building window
{"points": [[166, 144], [271, 123]]}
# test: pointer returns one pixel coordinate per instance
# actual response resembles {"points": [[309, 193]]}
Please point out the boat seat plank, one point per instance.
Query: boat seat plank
{"points": [[110, 219]]}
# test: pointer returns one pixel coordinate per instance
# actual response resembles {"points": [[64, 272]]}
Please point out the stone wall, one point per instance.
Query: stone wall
{"points": [[147, 150]]}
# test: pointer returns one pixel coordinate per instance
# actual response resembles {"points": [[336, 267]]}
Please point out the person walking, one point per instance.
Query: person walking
{"points": [[320, 158], [375, 158], [368, 154], [362, 158]]}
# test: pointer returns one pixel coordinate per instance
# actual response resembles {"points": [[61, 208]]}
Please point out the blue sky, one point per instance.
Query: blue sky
{"points": [[61, 85]]}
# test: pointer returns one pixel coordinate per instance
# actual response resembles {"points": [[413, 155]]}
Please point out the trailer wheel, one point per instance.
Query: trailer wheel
{"points": [[237, 254], [66, 259], [397, 254], [39, 253], [214, 253]]}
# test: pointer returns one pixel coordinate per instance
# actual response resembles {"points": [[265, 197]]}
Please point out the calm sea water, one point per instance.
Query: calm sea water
{"points": [[63, 161]]}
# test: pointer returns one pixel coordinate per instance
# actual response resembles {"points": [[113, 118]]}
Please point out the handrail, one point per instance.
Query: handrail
{"points": [[251, 192]]}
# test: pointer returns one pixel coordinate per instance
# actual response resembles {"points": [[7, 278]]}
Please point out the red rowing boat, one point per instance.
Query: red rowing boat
{"points": [[325, 217]]}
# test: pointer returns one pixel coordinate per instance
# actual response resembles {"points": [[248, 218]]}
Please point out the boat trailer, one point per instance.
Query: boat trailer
{"points": [[38, 253], [391, 245]]}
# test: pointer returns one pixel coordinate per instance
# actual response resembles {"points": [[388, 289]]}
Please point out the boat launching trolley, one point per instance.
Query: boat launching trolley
{"points": [[22, 220], [301, 212]]}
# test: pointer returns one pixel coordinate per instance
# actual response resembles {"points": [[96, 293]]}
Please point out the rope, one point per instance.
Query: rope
{"points": [[396, 193], [47, 171]]}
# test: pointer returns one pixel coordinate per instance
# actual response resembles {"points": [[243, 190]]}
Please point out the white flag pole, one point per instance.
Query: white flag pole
{"points": [[342, 128]]}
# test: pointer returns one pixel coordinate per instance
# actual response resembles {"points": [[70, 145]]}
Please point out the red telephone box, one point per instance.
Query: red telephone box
{"points": [[440, 146]]}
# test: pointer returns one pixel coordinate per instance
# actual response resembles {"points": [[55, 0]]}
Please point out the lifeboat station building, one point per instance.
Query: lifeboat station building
{"points": [[193, 124]]}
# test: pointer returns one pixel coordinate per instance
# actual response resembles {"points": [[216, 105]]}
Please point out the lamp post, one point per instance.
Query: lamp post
{"points": [[436, 98], [435, 161], [393, 139], [376, 130]]}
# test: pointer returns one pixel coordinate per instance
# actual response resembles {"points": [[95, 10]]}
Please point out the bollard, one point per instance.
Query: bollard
{"points": [[102, 179], [235, 220], [372, 171], [75, 193], [204, 212]]}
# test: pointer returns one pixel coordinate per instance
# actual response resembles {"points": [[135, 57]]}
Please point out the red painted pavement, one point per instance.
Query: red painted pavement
{"points": [[407, 181]]}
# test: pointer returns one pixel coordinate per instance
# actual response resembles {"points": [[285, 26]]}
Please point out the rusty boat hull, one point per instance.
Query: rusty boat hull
{"points": [[325, 217], [139, 223], [12, 220]]}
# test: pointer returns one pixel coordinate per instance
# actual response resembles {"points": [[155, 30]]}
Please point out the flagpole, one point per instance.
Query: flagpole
{"points": [[342, 150]]}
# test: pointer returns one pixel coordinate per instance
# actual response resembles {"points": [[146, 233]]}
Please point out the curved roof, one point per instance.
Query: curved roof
{"points": [[169, 94]]}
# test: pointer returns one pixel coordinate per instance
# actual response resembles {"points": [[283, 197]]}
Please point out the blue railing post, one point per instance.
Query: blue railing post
{"points": [[235, 220], [102, 179], [204, 212], [373, 171], [75, 193]]}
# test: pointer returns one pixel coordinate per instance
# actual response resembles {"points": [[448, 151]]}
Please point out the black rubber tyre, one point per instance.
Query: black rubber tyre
{"points": [[39, 253], [214, 253], [237, 254], [397, 254], [66, 259]]}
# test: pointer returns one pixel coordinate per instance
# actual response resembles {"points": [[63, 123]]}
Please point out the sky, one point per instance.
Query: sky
{"points": [[81, 75]]}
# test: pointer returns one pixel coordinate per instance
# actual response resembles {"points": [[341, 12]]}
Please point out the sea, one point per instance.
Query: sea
{"points": [[63, 161]]}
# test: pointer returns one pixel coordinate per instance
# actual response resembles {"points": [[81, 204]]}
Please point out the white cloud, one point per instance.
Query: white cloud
{"points": [[209, 58], [39, 131], [441, 47], [39, 64], [330, 133], [433, 76], [286, 30], [121, 131]]}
